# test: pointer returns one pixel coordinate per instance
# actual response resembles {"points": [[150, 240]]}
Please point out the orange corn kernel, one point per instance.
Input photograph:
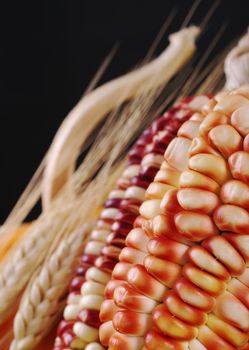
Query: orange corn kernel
{"points": [[132, 323], [126, 297], [207, 282], [226, 139], [139, 278], [195, 226], [171, 325], [165, 248], [183, 311]]}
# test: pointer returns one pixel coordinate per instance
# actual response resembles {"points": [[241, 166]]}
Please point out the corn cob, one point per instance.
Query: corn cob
{"points": [[113, 233], [204, 288], [211, 280]]}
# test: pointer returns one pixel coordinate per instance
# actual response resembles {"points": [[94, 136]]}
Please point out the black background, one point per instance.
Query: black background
{"points": [[49, 52]]}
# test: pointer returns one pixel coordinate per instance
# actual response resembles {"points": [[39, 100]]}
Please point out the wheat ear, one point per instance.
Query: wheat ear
{"points": [[28, 254], [44, 296]]}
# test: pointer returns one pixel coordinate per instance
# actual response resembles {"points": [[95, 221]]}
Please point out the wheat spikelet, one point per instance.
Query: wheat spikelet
{"points": [[18, 264], [42, 299]]}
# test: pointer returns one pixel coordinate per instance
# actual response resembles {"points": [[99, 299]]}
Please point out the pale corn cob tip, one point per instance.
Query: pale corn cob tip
{"points": [[81, 315], [236, 65], [191, 291]]}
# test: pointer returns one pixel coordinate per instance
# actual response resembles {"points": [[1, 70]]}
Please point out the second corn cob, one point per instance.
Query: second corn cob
{"points": [[98, 237]]}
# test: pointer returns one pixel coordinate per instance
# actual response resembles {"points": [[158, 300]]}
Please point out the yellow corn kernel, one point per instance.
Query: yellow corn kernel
{"points": [[157, 190], [232, 218], [131, 255], [210, 165], [235, 192], [85, 332], [194, 179], [208, 107], [244, 277], [195, 344], [137, 239], [169, 203], [226, 139], [197, 200], [199, 145], [163, 226], [212, 119], [189, 129], [177, 153], [150, 208], [195, 226], [239, 166], [106, 330], [197, 116], [239, 290], [240, 121], [228, 104], [120, 270], [168, 176], [231, 310]]}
